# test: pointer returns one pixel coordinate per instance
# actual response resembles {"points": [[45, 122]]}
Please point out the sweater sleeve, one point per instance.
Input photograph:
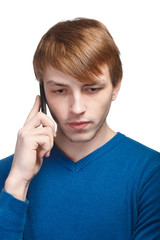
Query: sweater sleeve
{"points": [[148, 201], [12, 211], [12, 216]]}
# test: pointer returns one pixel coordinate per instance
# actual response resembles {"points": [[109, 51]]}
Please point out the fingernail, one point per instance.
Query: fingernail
{"points": [[55, 134], [48, 154]]}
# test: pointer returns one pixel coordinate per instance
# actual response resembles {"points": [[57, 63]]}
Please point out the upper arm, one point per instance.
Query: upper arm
{"points": [[148, 212]]}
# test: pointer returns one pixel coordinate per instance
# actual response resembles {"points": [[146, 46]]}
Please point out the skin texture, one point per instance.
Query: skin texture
{"points": [[80, 111]]}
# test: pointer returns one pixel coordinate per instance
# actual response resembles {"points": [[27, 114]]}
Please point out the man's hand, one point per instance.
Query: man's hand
{"points": [[33, 143]]}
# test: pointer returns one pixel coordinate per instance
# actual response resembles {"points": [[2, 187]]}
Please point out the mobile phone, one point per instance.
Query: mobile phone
{"points": [[43, 99]]}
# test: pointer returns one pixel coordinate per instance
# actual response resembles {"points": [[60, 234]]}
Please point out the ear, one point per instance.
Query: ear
{"points": [[116, 90]]}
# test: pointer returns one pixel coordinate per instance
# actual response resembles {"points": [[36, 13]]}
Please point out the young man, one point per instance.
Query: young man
{"points": [[84, 181]]}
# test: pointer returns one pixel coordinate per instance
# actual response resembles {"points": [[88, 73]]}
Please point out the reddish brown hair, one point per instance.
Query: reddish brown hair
{"points": [[78, 48]]}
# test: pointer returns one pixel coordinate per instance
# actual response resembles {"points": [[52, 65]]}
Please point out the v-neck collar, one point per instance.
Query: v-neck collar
{"points": [[76, 166]]}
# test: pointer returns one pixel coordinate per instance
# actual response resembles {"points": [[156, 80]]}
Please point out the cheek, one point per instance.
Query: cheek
{"points": [[58, 110], [55, 107], [103, 103]]}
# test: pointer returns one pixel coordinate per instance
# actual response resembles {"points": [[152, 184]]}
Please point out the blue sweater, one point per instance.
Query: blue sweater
{"points": [[112, 194]]}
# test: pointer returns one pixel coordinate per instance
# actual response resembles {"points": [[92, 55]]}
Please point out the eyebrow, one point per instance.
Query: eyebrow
{"points": [[103, 83], [52, 82]]}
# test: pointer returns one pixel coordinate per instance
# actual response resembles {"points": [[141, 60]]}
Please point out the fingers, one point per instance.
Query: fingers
{"points": [[35, 109], [44, 131], [36, 118], [36, 137], [40, 119], [45, 144]]}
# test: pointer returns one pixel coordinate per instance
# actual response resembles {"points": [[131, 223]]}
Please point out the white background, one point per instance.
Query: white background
{"points": [[135, 27]]}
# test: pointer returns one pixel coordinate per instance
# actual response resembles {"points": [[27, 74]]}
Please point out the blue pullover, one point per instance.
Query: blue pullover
{"points": [[111, 194]]}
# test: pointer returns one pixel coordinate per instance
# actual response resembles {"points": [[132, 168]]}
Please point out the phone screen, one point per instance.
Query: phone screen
{"points": [[43, 99]]}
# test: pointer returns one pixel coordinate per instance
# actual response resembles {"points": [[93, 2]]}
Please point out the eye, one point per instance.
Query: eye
{"points": [[59, 91], [92, 90]]}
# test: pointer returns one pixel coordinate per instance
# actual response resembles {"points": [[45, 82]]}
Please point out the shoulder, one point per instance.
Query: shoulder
{"points": [[138, 150], [143, 160]]}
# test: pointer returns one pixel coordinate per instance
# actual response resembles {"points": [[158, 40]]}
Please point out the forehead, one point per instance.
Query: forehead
{"points": [[53, 75]]}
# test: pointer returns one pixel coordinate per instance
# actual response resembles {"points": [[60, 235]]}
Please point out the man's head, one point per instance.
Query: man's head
{"points": [[80, 67], [78, 48]]}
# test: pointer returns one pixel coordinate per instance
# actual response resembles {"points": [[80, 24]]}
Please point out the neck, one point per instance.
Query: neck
{"points": [[78, 150]]}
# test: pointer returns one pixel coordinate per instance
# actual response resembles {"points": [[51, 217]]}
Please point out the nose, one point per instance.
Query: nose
{"points": [[77, 105]]}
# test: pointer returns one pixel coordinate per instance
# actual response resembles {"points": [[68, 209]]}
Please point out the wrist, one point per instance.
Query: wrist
{"points": [[16, 187]]}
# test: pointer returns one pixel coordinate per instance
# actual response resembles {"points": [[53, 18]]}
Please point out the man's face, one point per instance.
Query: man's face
{"points": [[80, 109]]}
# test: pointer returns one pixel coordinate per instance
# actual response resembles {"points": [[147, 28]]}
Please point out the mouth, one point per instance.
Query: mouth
{"points": [[79, 125]]}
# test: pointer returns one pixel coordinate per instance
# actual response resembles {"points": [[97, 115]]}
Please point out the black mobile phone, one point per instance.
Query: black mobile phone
{"points": [[43, 99]]}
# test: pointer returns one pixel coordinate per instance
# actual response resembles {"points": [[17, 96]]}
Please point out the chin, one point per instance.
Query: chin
{"points": [[75, 140], [83, 135], [80, 137]]}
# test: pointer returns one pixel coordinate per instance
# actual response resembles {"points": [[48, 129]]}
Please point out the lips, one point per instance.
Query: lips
{"points": [[78, 125]]}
